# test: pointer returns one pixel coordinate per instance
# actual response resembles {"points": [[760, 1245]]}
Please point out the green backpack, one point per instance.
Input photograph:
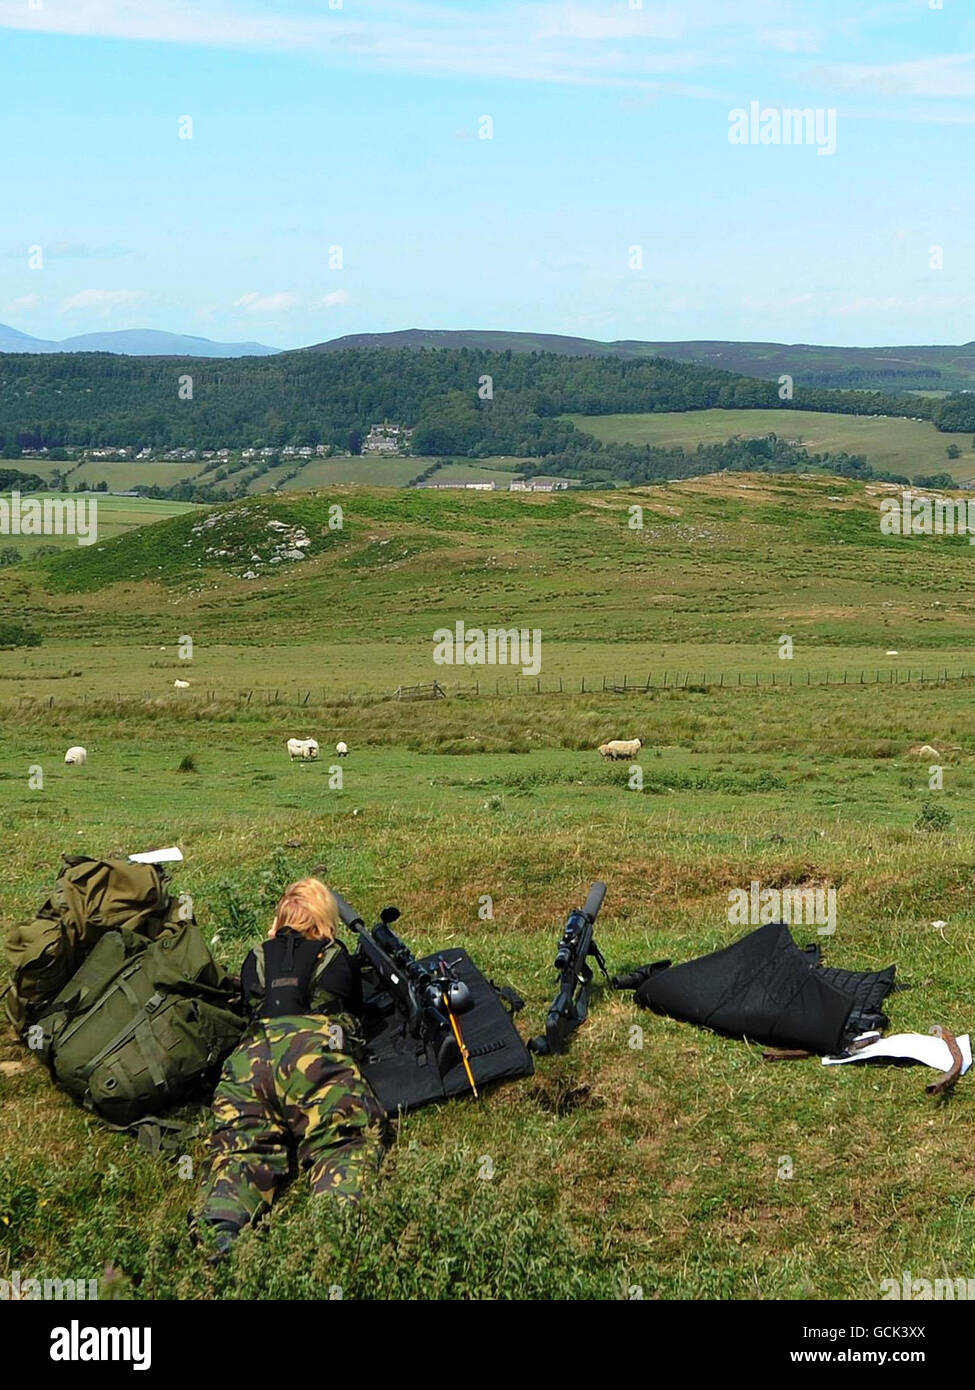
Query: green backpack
{"points": [[140, 1025], [90, 897]]}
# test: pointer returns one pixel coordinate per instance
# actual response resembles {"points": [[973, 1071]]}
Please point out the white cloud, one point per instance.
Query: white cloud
{"points": [[792, 40], [256, 303], [583, 22], [281, 301], [874, 304], [949, 75], [23, 304], [102, 301], [589, 42]]}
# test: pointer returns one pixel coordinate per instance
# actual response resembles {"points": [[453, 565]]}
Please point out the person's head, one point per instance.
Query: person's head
{"points": [[309, 908]]}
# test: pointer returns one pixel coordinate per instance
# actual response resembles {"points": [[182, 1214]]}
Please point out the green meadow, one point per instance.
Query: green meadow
{"points": [[909, 447], [291, 475], [116, 516], [650, 1156]]}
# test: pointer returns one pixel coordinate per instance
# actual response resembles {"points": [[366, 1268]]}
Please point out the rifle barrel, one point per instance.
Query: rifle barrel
{"points": [[595, 900]]}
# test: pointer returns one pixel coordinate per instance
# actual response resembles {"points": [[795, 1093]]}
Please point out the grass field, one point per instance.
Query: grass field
{"points": [[115, 517], [345, 470], [908, 447], [646, 1160]]}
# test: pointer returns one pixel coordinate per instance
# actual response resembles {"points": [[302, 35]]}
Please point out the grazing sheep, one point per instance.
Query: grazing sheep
{"points": [[77, 756], [342, 749], [304, 748], [181, 685], [620, 748]]}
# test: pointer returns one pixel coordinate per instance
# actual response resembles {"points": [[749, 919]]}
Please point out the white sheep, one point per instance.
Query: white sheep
{"points": [[620, 748], [304, 748], [181, 685], [76, 756], [342, 749]]}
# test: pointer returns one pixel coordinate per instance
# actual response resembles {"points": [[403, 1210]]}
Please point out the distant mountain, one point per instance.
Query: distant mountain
{"points": [[132, 342], [934, 368], [889, 369]]}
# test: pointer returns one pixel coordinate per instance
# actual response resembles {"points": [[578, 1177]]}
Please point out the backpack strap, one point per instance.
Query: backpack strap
{"points": [[162, 1135], [139, 1027]]}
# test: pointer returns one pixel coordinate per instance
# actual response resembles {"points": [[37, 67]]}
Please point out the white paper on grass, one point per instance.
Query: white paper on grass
{"points": [[158, 856], [917, 1047]]}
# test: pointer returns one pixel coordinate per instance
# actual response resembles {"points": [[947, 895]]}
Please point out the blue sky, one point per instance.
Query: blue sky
{"points": [[355, 123]]}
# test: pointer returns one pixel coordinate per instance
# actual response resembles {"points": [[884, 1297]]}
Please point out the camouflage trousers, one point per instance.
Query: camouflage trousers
{"points": [[285, 1101]]}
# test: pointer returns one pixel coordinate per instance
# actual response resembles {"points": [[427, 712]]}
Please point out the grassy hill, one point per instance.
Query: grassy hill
{"points": [[917, 367], [649, 1158], [908, 447]]}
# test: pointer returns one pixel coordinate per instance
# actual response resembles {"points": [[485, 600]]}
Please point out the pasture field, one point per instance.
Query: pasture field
{"points": [[120, 477], [361, 470], [615, 1165], [116, 516], [683, 595], [644, 1159], [909, 447]]}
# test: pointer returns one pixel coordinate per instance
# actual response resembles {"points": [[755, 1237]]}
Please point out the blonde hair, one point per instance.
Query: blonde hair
{"points": [[309, 908]]}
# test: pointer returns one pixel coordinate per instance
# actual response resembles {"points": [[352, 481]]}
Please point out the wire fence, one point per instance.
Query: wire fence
{"points": [[666, 680]]}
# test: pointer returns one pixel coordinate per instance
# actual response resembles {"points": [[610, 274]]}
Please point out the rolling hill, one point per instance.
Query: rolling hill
{"points": [[649, 1156], [132, 342], [946, 368]]}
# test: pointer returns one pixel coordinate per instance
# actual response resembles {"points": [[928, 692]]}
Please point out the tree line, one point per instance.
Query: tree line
{"points": [[460, 402]]}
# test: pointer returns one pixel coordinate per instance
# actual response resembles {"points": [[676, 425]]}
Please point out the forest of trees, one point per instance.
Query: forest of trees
{"points": [[461, 402]]}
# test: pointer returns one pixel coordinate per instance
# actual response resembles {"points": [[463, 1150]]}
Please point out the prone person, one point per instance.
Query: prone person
{"points": [[291, 1095]]}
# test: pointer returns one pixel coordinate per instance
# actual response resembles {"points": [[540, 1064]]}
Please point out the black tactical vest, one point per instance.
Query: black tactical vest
{"points": [[289, 969]]}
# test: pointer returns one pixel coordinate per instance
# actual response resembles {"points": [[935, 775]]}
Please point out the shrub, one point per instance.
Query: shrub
{"points": [[16, 635], [932, 816]]}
